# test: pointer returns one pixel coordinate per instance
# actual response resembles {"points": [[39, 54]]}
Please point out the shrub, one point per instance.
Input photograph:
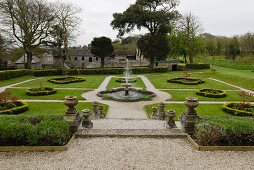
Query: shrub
{"points": [[9, 74], [234, 109], [186, 81], [19, 108], [198, 66], [22, 130], [231, 131], [212, 93], [41, 91], [66, 80]]}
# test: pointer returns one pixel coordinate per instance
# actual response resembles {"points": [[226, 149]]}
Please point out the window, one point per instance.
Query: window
{"points": [[83, 58], [97, 58], [76, 58], [90, 59]]}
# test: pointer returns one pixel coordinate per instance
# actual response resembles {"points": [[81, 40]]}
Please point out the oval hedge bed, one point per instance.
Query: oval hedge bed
{"points": [[13, 108], [43, 91], [122, 80], [239, 109], [66, 80], [212, 93], [186, 81]]}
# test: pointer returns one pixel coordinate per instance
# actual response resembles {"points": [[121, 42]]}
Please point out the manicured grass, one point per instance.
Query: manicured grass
{"points": [[113, 83], [160, 81], [206, 110], [56, 108], [181, 96], [92, 81], [15, 80], [21, 94]]}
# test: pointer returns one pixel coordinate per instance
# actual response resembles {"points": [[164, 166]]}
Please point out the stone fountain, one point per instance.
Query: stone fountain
{"points": [[127, 93]]}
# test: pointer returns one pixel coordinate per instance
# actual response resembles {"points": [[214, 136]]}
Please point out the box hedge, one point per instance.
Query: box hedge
{"points": [[33, 131], [9, 74], [21, 107], [230, 108]]}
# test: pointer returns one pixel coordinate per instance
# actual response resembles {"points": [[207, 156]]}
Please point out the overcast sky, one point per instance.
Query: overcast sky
{"points": [[218, 17]]}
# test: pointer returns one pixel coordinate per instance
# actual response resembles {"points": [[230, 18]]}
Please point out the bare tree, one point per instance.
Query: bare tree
{"points": [[29, 22], [190, 26], [68, 21]]}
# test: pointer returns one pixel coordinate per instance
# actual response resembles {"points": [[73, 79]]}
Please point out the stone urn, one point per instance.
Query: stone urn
{"points": [[87, 123], [191, 103], [71, 102]]}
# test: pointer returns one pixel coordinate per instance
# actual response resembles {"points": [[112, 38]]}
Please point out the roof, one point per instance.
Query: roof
{"points": [[23, 60]]}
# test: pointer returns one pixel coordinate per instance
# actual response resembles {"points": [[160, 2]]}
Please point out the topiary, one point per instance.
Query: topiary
{"points": [[212, 93]]}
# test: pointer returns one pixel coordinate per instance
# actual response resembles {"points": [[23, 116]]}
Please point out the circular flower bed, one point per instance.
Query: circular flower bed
{"points": [[123, 80], [239, 109], [66, 80], [186, 81], [13, 108], [212, 93], [41, 91]]}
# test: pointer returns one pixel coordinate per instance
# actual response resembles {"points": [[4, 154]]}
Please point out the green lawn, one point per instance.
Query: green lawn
{"points": [[56, 108], [92, 81], [181, 96], [113, 83], [21, 94], [15, 80], [206, 110]]}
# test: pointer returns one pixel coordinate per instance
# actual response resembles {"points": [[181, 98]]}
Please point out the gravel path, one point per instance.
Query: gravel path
{"points": [[128, 153]]}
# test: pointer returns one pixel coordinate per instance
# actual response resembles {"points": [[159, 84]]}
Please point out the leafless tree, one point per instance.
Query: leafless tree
{"points": [[29, 22]]}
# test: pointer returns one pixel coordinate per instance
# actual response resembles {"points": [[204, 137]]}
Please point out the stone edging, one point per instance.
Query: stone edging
{"points": [[36, 148], [219, 148]]}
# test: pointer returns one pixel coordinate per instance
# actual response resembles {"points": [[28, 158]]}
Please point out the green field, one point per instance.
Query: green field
{"points": [[21, 94], [113, 83], [92, 81], [205, 110], [15, 80]]}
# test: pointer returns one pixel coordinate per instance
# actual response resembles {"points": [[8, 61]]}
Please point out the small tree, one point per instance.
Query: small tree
{"points": [[102, 47]]}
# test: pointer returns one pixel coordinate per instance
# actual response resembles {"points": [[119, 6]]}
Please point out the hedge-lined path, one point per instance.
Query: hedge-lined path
{"points": [[128, 153], [11, 85]]}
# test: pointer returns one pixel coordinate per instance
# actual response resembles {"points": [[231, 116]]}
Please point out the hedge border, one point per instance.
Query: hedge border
{"points": [[179, 80], [16, 110], [47, 91], [57, 80], [236, 112], [202, 92], [122, 80]]}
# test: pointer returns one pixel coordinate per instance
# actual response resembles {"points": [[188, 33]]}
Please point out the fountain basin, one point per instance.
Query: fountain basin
{"points": [[134, 95]]}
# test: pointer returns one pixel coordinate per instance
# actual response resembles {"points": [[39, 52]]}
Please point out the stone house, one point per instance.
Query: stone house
{"points": [[36, 62]]}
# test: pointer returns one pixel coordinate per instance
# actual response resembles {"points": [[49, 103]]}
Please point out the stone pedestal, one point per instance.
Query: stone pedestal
{"points": [[189, 117], [161, 114], [170, 122], [72, 116], [86, 123]]}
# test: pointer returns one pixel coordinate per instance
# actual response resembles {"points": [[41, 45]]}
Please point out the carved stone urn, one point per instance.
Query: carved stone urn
{"points": [[71, 102], [191, 103]]}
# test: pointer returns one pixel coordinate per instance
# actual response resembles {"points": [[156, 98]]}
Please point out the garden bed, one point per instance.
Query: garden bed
{"points": [[66, 80], [13, 108], [186, 81], [212, 93], [43, 91], [239, 109]]}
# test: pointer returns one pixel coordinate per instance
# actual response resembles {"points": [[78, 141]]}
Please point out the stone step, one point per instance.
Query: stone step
{"points": [[125, 133], [128, 124]]}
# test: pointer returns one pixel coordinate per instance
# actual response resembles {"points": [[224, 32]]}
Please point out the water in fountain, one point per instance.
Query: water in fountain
{"points": [[127, 73]]}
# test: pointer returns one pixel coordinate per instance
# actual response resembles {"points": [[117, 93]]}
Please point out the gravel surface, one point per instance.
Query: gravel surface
{"points": [[128, 153]]}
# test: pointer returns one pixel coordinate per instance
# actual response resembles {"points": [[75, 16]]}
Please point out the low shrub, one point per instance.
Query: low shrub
{"points": [[41, 91], [195, 66], [66, 80], [212, 93], [9, 74], [18, 108], [237, 110], [186, 81], [230, 131], [24, 130]]}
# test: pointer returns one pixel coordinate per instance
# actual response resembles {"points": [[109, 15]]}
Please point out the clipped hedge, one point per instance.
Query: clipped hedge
{"points": [[21, 107], [66, 80], [186, 81], [33, 131], [136, 70], [212, 93], [198, 66], [232, 108], [227, 131], [122, 80], [41, 91], [9, 74]]}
